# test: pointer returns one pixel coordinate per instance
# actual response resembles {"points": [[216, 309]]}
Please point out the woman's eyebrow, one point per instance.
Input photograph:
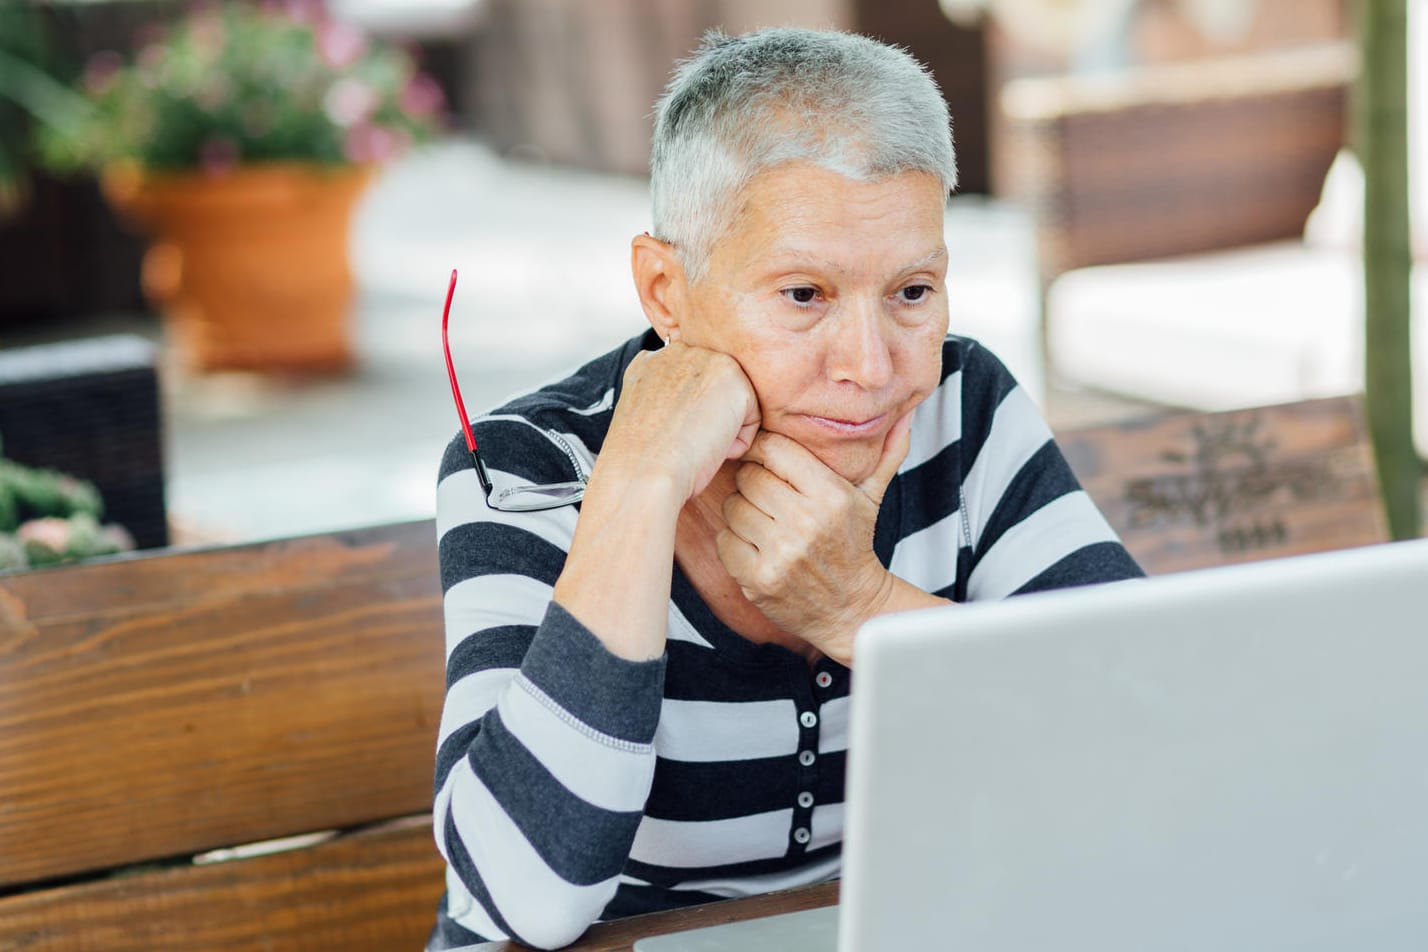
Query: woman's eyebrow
{"points": [[795, 259], [937, 254]]}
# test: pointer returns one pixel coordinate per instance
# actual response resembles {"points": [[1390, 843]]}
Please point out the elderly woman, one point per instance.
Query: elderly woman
{"points": [[647, 701]]}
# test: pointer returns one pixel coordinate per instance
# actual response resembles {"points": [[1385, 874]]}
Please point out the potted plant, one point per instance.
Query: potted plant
{"points": [[239, 137]]}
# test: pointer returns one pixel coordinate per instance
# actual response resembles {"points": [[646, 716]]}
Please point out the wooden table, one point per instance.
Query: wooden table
{"points": [[621, 935]]}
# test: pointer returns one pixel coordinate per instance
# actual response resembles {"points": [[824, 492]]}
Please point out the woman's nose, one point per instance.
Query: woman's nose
{"points": [[862, 351]]}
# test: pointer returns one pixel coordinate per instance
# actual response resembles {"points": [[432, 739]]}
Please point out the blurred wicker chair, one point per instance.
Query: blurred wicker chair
{"points": [[90, 408]]}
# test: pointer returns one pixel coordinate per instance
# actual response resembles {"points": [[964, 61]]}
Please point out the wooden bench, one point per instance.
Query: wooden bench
{"points": [[1193, 490], [157, 707]]}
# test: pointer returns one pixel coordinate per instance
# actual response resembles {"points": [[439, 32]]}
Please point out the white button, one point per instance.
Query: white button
{"points": [[802, 836], [805, 799], [807, 757], [808, 719], [824, 679]]}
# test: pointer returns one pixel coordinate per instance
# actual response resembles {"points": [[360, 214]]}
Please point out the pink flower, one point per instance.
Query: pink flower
{"points": [[422, 96], [307, 11], [340, 44], [208, 33], [51, 532], [368, 143], [349, 102], [117, 537], [151, 62], [218, 156], [100, 71]]}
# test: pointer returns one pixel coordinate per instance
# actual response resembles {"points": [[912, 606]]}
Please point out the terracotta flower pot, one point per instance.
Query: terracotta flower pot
{"points": [[249, 268]]}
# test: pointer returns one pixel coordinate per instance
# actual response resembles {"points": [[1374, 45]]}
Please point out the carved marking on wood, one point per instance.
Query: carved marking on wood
{"points": [[1231, 482]]}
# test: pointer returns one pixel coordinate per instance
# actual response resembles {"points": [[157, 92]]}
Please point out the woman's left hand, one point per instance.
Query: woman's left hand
{"points": [[799, 540]]}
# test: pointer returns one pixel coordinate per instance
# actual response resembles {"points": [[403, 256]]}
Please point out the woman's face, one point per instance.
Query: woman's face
{"points": [[831, 294]]}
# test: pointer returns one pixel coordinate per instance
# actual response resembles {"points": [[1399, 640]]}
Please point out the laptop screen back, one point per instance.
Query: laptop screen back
{"points": [[1229, 759]]}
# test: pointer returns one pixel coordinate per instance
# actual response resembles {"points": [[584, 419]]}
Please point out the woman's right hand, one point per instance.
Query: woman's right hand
{"points": [[683, 411]]}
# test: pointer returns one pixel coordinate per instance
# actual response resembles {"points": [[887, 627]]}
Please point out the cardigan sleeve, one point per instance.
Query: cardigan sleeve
{"points": [[545, 751]]}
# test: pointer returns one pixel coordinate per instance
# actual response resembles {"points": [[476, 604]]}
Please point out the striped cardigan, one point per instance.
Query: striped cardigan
{"points": [[572, 785]]}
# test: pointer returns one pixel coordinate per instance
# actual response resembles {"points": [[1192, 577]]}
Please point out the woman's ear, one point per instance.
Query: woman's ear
{"points": [[660, 283]]}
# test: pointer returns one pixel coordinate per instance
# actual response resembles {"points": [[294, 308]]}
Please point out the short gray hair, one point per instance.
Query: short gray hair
{"points": [[743, 104]]}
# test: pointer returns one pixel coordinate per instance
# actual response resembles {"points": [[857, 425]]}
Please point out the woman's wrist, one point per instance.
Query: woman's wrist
{"points": [[895, 595], [618, 481], [617, 575]]}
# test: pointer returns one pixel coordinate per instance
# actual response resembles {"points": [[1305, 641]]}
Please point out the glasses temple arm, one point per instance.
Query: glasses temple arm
{"points": [[481, 472]]}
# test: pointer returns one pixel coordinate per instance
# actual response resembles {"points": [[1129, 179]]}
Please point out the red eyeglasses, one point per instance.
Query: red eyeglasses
{"points": [[520, 497]]}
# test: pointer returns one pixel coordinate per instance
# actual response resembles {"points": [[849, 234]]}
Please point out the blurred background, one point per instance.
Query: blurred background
{"points": [[1158, 208]]}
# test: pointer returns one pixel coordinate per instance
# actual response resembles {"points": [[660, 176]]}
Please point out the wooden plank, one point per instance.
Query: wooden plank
{"points": [[1191, 490], [161, 706], [150, 581], [376, 890], [621, 934]]}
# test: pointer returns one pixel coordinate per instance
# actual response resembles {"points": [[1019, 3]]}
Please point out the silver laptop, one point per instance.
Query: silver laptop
{"points": [[1233, 759]]}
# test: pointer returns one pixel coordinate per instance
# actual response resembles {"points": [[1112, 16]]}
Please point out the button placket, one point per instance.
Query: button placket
{"points": [[807, 772]]}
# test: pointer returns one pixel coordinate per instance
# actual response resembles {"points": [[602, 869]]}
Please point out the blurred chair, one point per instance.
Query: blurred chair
{"points": [[1136, 183], [1056, 39], [90, 408], [575, 81], [1178, 158], [1171, 204]]}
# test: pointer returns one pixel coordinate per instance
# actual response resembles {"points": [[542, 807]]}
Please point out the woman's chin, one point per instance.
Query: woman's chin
{"points": [[854, 461]]}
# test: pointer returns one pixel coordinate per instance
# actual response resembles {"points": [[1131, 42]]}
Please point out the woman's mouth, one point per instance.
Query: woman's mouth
{"points": [[849, 428]]}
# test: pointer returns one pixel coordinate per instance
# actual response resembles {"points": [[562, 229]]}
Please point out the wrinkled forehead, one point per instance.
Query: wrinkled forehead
{"points": [[804, 210], [799, 187]]}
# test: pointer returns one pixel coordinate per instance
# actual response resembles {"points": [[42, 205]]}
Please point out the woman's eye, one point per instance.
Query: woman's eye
{"points": [[916, 292], [802, 296]]}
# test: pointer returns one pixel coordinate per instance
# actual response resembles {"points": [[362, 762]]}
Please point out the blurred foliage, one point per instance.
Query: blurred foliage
{"points": [[33, 90], [47, 517], [225, 84]]}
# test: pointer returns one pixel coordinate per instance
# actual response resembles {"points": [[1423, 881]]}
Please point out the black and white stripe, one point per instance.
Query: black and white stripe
{"points": [[572, 785]]}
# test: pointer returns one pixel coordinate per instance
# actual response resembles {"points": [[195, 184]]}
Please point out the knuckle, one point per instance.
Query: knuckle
{"points": [[784, 554], [823, 513], [768, 578], [773, 442]]}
